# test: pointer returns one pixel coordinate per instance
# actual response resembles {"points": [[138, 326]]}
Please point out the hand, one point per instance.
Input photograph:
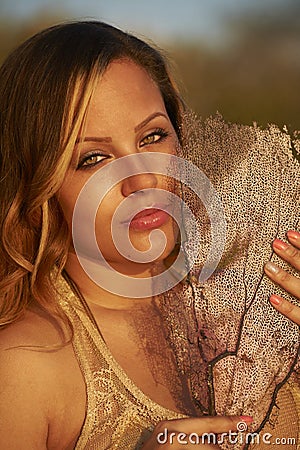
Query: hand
{"points": [[291, 254], [181, 433]]}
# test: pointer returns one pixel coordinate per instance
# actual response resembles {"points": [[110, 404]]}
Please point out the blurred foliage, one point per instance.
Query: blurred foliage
{"points": [[252, 75]]}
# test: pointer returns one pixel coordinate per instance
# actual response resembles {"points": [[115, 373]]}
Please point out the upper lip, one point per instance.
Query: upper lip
{"points": [[146, 211]]}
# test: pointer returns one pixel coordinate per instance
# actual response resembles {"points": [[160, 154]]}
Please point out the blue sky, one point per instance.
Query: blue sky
{"points": [[157, 19]]}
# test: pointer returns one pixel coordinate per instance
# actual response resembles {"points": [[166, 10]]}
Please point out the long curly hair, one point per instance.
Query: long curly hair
{"points": [[45, 88]]}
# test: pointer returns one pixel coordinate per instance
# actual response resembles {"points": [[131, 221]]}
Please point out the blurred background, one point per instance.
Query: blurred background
{"points": [[238, 57]]}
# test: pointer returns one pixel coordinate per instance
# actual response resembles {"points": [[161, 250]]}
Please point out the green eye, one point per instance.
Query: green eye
{"points": [[151, 138], [154, 137], [91, 160]]}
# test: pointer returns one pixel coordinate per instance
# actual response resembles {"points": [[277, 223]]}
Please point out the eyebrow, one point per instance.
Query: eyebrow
{"points": [[137, 128], [148, 119], [93, 139]]}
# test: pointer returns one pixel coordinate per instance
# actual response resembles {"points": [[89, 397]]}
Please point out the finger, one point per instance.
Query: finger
{"points": [[200, 425], [286, 308], [288, 252], [294, 238], [288, 282]]}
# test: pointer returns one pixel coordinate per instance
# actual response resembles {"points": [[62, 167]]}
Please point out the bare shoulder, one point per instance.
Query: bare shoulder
{"points": [[40, 377], [35, 328]]}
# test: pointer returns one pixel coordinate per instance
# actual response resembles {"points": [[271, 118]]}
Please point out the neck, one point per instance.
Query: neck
{"points": [[93, 291]]}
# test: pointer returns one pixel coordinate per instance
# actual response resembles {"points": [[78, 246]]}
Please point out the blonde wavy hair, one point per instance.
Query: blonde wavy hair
{"points": [[45, 88]]}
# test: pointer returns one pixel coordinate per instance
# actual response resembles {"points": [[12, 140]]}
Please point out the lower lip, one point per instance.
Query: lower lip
{"points": [[153, 218]]}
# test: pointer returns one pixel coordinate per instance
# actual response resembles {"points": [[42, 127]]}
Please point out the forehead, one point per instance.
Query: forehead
{"points": [[125, 91]]}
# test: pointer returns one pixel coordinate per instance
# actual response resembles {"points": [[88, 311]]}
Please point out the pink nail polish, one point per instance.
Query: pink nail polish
{"points": [[279, 245], [275, 300], [272, 268], [293, 234], [247, 419]]}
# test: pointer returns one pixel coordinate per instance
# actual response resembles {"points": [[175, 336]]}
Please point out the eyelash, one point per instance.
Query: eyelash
{"points": [[159, 131], [91, 155]]}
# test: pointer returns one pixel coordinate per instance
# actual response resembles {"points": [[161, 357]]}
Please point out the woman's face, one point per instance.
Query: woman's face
{"points": [[126, 116]]}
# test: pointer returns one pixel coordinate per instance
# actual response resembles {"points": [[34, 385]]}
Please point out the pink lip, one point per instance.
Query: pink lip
{"points": [[148, 219]]}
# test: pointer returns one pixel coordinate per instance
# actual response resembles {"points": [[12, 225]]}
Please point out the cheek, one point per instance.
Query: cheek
{"points": [[172, 148], [105, 212], [69, 193]]}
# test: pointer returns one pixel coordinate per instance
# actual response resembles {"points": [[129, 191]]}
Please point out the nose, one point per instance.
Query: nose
{"points": [[138, 183]]}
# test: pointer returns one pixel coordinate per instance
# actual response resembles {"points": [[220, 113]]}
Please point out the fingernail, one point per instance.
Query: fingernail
{"points": [[272, 267], [275, 300], [293, 234], [246, 418], [280, 245]]}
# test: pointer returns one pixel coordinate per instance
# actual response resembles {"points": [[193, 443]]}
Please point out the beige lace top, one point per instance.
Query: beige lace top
{"points": [[118, 414]]}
